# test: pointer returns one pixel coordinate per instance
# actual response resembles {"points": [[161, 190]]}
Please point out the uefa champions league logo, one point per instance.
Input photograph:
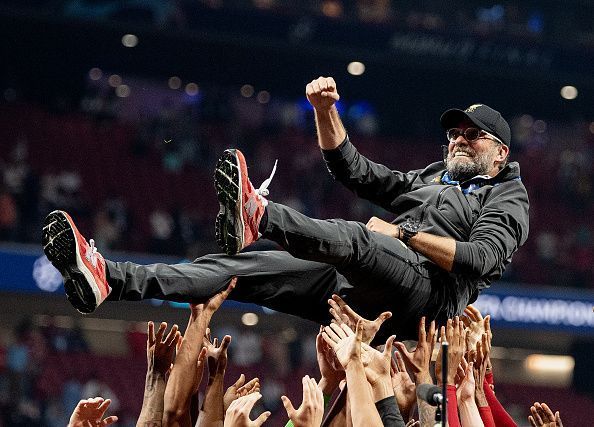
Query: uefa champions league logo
{"points": [[46, 276]]}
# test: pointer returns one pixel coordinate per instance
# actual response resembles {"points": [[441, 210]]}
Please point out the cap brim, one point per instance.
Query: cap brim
{"points": [[453, 117]]}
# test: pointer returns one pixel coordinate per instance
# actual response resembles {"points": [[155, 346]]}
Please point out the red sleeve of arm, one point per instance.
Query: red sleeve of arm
{"points": [[487, 416], [500, 415], [453, 419]]}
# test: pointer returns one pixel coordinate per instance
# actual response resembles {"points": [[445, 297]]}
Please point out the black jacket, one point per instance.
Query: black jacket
{"points": [[488, 217]]}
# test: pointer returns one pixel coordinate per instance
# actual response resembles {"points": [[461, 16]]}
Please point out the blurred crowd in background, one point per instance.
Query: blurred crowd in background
{"points": [[140, 179]]}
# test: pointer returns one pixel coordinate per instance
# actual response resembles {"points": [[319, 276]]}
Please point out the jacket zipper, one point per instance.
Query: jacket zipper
{"points": [[436, 205]]}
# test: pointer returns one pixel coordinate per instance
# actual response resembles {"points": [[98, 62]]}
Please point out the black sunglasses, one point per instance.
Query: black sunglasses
{"points": [[469, 134]]}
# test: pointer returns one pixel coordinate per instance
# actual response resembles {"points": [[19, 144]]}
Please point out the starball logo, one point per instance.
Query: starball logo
{"points": [[472, 108]]}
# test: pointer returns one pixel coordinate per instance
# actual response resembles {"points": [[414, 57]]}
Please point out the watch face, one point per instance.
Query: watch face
{"points": [[410, 226]]}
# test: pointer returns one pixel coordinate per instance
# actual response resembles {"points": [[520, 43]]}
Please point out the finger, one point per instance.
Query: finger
{"points": [[422, 332], [262, 418], [109, 420], [331, 333], [477, 316], [383, 317], [388, 346], [330, 94], [541, 413], [466, 320], [171, 336], [347, 329], [558, 419], [399, 361], [432, 332], [403, 352], [535, 414], [335, 315], [316, 86], [393, 366], [160, 332], [345, 307], [309, 89], [103, 405], [531, 420], [253, 383], [288, 406], [331, 343], [359, 331], [240, 381], [229, 288], [318, 394], [339, 329], [215, 343], [306, 396], [549, 415], [150, 332]]}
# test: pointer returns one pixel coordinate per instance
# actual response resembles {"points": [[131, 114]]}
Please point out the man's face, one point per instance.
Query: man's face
{"points": [[466, 159]]}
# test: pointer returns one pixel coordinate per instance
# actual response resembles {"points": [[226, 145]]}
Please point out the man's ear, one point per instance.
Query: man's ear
{"points": [[503, 152]]}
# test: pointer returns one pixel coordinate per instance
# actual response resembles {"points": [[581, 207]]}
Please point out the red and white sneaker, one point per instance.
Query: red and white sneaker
{"points": [[241, 205], [82, 267]]}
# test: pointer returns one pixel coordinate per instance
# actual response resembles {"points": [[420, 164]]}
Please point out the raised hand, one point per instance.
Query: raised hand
{"points": [[322, 93], [543, 416], [89, 412], [467, 386], [377, 369], [455, 335], [311, 411], [481, 361], [238, 414], [332, 372], [403, 386], [240, 388], [215, 301], [476, 325], [418, 360], [159, 351], [216, 354], [342, 313], [343, 342]]}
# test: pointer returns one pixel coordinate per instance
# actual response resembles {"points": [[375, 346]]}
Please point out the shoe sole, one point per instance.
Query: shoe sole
{"points": [[229, 225], [60, 247]]}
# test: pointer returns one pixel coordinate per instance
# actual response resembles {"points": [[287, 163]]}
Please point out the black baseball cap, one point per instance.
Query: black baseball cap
{"points": [[483, 117]]}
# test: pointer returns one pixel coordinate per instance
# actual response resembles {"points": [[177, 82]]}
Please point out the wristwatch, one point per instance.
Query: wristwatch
{"points": [[408, 230]]}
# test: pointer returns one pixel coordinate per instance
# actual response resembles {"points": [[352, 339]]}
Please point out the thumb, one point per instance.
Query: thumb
{"points": [[383, 317], [262, 418], [239, 382], [109, 420], [288, 406], [388, 346], [402, 349]]}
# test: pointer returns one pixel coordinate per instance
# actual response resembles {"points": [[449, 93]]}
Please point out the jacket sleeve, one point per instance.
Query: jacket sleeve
{"points": [[368, 180], [502, 226]]}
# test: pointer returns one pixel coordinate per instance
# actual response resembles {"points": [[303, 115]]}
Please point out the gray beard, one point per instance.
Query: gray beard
{"points": [[462, 171]]}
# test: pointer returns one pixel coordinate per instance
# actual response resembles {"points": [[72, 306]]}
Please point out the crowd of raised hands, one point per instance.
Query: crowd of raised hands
{"points": [[359, 385]]}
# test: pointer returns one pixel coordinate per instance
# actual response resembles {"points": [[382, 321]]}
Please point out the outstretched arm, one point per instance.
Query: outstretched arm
{"points": [[212, 412], [159, 354], [184, 380], [347, 346], [322, 95]]}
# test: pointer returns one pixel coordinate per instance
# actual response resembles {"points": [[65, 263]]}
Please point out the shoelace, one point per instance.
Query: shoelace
{"points": [[91, 254], [262, 191]]}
